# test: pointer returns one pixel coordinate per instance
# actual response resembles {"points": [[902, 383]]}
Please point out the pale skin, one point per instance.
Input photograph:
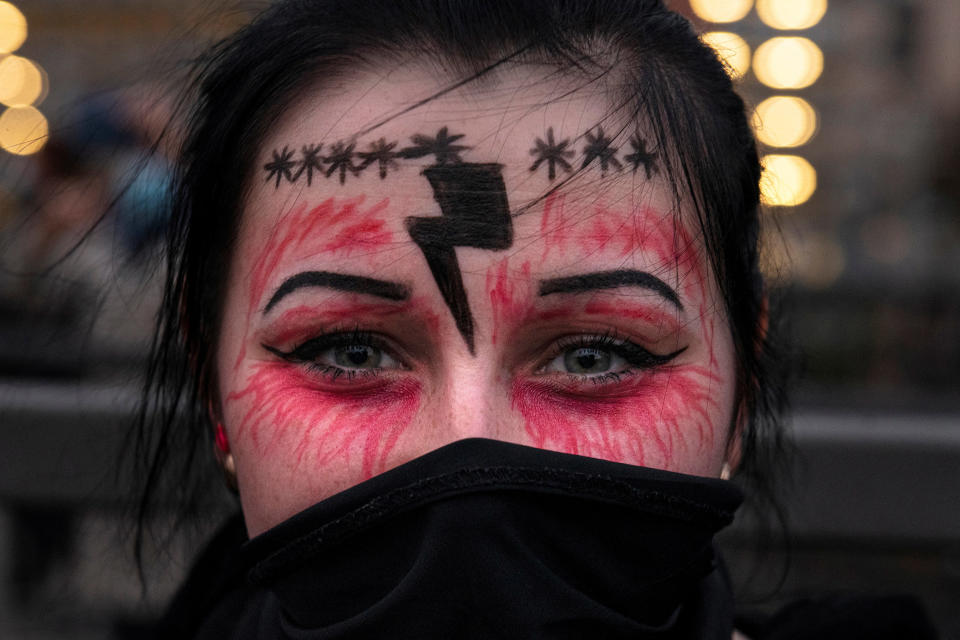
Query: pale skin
{"points": [[322, 385]]}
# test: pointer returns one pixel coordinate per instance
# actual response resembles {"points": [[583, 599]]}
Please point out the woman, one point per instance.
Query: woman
{"points": [[467, 296]]}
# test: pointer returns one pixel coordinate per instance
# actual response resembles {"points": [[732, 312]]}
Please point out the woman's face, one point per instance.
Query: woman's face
{"points": [[400, 282]]}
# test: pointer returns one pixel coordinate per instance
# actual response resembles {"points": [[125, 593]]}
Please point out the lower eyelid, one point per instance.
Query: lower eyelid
{"points": [[330, 369], [600, 388]]}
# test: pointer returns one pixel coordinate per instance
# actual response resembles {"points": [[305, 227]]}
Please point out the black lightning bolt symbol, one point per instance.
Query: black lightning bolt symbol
{"points": [[474, 213]]}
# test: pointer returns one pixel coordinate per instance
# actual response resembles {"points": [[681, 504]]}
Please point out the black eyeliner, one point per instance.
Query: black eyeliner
{"points": [[634, 354], [308, 351]]}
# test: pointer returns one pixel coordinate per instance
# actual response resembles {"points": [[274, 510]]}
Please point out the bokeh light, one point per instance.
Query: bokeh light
{"points": [[13, 27], [784, 121], [22, 82], [791, 14], [23, 130], [788, 63], [732, 49], [787, 180], [721, 10]]}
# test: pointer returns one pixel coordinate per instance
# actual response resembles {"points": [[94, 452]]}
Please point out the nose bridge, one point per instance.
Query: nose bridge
{"points": [[470, 400]]}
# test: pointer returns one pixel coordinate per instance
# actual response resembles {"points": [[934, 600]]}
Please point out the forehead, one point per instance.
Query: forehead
{"points": [[499, 117], [551, 137], [407, 98]]}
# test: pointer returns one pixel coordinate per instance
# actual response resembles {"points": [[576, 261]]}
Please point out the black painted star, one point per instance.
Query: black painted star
{"points": [[553, 153], [310, 161], [382, 153], [441, 146], [599, 148], [341, 159], [641, 156], [281, 166]]}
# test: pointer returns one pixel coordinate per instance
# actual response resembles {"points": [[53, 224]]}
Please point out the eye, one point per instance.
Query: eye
{"points": [[586, 361], [357, 356], [601, 356], [351, 352]]}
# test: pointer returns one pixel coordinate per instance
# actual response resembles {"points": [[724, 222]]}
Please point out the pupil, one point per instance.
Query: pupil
{"points": [[585, 360], [357, 356]]}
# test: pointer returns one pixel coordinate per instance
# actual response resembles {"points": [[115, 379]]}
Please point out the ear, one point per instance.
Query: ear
{"points": [[734, 451]]}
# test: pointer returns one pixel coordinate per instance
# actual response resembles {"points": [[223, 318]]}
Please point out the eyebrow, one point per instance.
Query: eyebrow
{"points": [[340, 282], [610, 280]]}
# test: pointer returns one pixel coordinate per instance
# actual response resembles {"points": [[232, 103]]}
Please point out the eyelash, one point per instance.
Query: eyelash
{"points": [[307, 352], [638, 357]]}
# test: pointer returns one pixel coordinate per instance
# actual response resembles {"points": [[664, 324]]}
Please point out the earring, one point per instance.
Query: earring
{"points": [[725, 471], [224, 457]]}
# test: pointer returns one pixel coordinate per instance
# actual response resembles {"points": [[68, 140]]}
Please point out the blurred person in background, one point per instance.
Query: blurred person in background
{"points": [[74, 248], [75, 297], [66, 198]]}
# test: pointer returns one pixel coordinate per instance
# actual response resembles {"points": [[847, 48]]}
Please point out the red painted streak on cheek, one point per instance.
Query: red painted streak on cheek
{"points": [[283, 409], [661, 418]]}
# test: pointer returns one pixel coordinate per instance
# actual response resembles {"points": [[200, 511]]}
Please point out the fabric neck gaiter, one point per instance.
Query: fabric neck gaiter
{"points": [[486, 539]]}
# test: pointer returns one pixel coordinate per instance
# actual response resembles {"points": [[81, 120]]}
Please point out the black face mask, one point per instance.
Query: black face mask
{"points": [[485, 539]]}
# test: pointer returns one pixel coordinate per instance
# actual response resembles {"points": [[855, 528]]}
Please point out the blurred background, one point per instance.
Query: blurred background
{"points": [[857, 106]]}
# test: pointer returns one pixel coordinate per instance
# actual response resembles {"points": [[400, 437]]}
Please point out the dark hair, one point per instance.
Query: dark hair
{"points": [[663, 73]]}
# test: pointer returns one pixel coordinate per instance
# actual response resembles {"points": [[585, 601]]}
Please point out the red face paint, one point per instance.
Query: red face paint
{"points": [[617, 233], [652, 416], [304, 320], [359, 416], [510, 293], [367, 234], [621, 421], [284, 406], [331, 419], [665, 322], [332, 226], [306, 421]]}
